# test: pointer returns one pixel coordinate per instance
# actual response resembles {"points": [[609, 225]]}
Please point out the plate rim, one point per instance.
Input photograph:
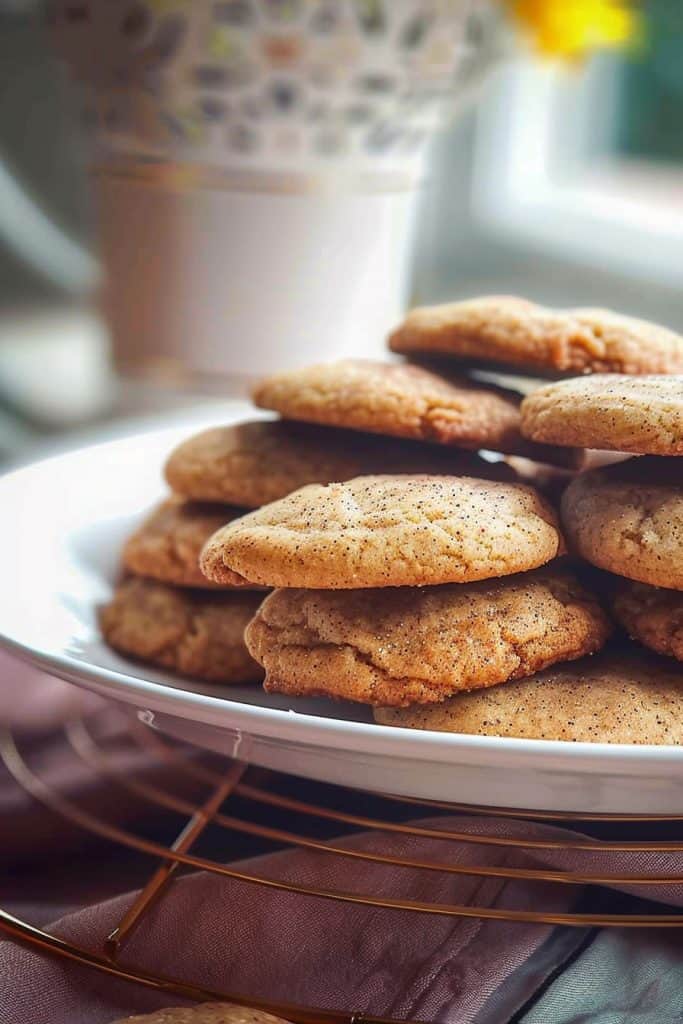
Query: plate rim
{"points": [[80, 673]]}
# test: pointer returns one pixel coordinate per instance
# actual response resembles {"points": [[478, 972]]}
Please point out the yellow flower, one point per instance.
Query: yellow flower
{"points": [[571, 28]]}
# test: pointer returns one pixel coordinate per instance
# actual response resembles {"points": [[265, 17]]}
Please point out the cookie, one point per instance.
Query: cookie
{"points": [[252, 464], [651, 615], [188, 631], [403, 400], [388, 531], [628, 519], [640, 415], [205, 1013], [514, 332], [167, 545], [615, 697], [416, 646]]}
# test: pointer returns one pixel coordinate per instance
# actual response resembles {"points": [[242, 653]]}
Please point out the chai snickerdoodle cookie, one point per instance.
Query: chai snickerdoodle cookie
{"points": [[640, 415], [388, 531], [615, 697], [205, 1013], [405, 400], [167, 545], [651, 615], [254, 463], [189, 631], [415, 646], [512, 331], [628, 519]]}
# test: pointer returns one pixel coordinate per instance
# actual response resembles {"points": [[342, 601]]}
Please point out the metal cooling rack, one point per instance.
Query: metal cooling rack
{"points": [[223, 781]]}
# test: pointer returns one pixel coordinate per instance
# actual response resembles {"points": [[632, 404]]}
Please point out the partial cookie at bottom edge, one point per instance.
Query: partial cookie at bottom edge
{"points": [[204, 1013]]}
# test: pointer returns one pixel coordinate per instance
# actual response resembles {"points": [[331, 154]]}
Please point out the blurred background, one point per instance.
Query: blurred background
{"points": [[559, 181]]}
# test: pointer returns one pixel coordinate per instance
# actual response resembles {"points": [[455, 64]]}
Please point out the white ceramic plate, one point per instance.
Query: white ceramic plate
{"points": [[63, 520]]}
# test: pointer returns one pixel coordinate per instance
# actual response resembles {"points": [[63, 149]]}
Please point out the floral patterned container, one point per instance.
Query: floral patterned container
{"points": [[257, 163]]}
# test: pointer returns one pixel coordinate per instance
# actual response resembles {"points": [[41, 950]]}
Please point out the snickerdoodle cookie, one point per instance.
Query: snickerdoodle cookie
{"points": [[388, 531], [404, 400], [404, 646], [167, 545], [628, 519], [621, 697], [512, 331], [189, 631], [640, 415], [254, 463], [652, 615]]}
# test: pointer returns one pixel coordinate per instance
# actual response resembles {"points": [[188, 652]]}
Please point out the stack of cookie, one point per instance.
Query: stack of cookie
{"points": [[406, 400], [402, 590], [437, 592], [626, 519], [506, 335], [166, 611]]}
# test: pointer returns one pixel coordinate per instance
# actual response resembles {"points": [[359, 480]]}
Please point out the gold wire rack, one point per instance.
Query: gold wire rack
{"points": [[223, 780]]}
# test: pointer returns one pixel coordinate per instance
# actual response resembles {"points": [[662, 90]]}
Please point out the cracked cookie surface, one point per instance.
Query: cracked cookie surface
{"points": [[254, 463], [614, 697], [512, 331], [167, 545], [404, 400], [651, 615], [404, 645], [639, 415], [628, 519], [388, 531], [188, 631]]}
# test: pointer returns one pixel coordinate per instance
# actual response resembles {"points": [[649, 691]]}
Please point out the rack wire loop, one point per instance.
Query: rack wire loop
{"points": [[232, 780]]}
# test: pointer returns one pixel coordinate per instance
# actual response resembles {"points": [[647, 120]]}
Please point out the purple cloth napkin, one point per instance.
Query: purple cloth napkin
{"points": [[230, 935], [233, 936], [36, 704]]}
